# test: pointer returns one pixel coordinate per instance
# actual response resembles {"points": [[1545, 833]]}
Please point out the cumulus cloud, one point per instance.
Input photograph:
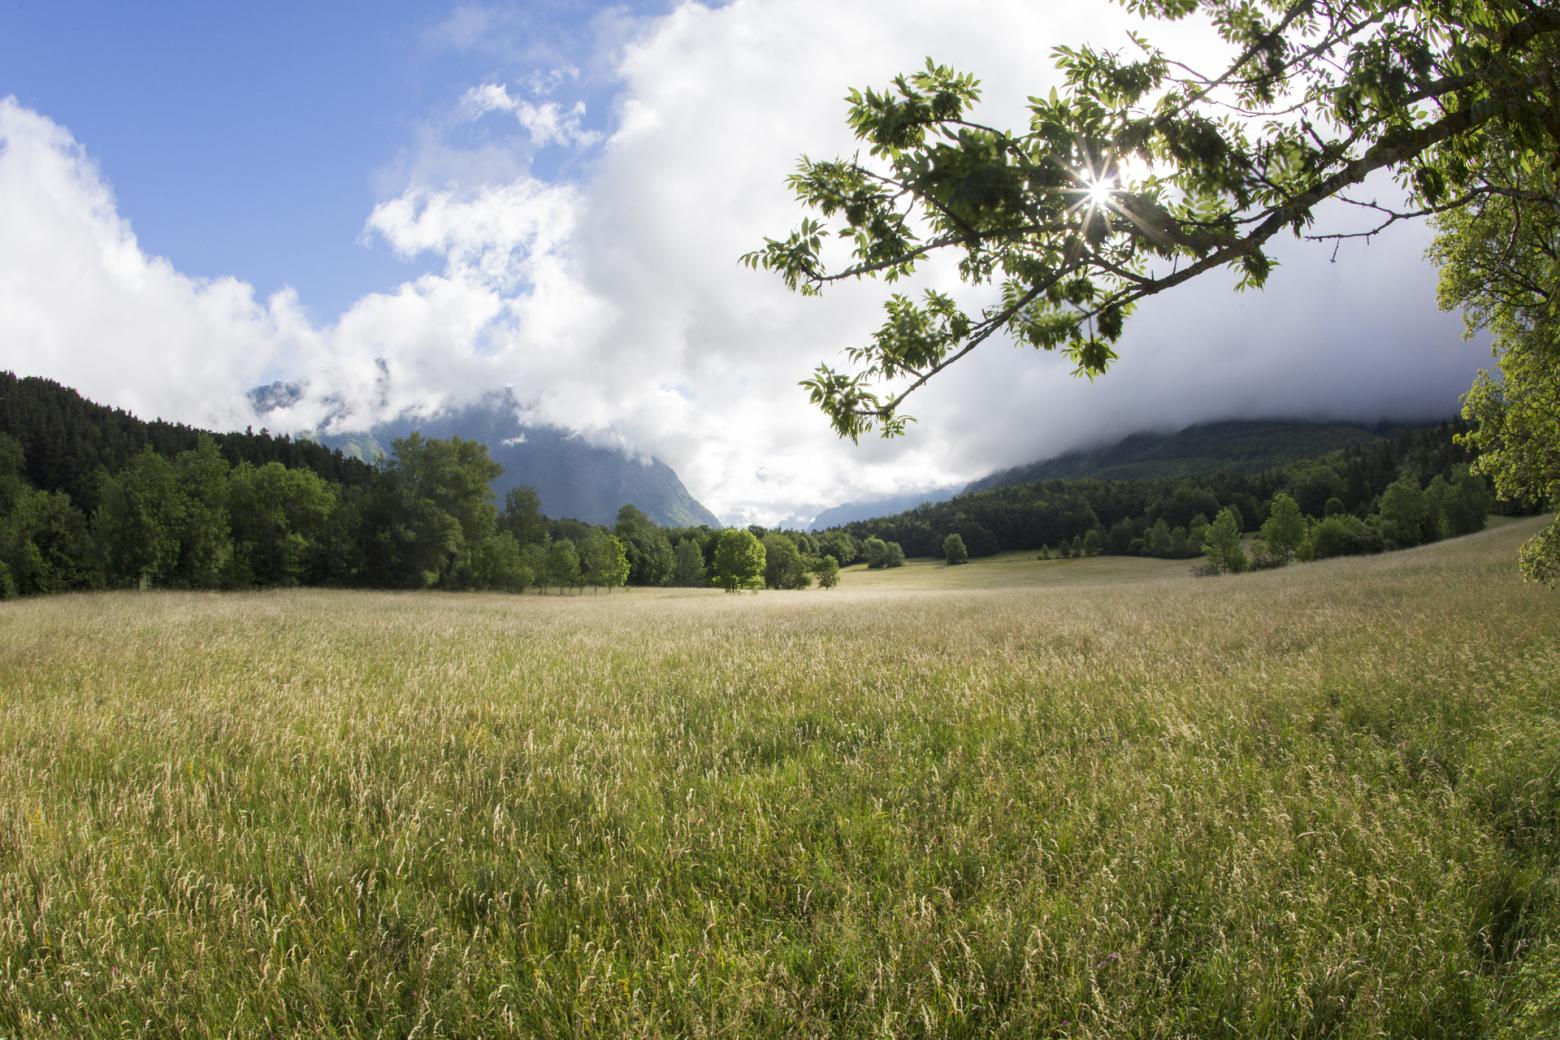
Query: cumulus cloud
{"points": [[494, 234], [545, 123], [81, 303], [612, 302]]}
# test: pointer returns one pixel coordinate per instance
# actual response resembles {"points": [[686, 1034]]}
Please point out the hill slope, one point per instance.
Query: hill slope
{"points": [[1246, 446], [67, 440]]}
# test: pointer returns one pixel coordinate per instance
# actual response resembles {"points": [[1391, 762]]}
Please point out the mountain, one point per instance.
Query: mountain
{"points": [[1244, 446], [866, 509], [572, 478]]}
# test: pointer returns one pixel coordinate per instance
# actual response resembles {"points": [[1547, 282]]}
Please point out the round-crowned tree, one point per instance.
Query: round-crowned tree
{"points": [[739, 560]]}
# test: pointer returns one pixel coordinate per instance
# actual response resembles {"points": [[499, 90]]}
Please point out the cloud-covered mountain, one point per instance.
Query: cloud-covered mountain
{"points": [[866, 509], [1246, 446], [572, 477], [1236, 446]]}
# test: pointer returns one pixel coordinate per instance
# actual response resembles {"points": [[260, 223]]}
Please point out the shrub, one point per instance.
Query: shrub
{"points": [[1342, 535]]}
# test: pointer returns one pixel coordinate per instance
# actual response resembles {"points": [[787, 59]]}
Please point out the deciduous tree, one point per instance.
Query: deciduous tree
{"points": [[1500, 263], [603, 560], [1403, 513], [1141, 173], [522, 516], [739, 560], [278, 518], [498, 562], [135, 519], [650, 557], [562, 565], [827, 570], [688, 568], [783, 565], [1285, 528], [1222, 550]]}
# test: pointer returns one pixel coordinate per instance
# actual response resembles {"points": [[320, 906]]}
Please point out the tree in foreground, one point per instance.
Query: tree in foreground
{"points": [[1142, 173], [1222, 550], [1500, 263], [1284, 529], [739, 560], [603, 560], [562, 565], [827, 570], [954, 550], [783, 564], [1404, 514]]}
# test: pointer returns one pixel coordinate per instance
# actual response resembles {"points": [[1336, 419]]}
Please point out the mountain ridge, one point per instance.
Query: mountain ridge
{"points": [[1200, 449], [573, 478]]}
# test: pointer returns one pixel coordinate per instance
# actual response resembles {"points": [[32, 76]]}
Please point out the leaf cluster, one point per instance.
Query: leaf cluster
{"points": [[1141, 173]]}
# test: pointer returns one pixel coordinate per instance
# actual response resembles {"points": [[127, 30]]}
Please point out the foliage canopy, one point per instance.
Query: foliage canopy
{"points": [[1142, 173], [739, 560]]}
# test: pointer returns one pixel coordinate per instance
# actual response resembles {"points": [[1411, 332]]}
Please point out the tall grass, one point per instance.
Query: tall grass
{"points": [[1323, 801]]}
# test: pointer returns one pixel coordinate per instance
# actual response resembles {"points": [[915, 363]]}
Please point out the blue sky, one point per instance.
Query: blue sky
{"points": [[552, 197], [252, 139]]}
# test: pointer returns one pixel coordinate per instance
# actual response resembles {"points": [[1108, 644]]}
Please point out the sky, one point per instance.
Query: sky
{"points": [[551, 197]]}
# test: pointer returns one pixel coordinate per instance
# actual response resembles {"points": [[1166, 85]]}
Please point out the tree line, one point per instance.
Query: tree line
{"points": [[93, 498]]}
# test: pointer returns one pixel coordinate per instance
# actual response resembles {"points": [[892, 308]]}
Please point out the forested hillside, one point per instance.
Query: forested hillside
{"points": [[1344, 490], [67, 441], [1246, 446]]}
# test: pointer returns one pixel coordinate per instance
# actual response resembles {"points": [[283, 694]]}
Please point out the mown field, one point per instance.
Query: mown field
{"points": [[1027, 799]]}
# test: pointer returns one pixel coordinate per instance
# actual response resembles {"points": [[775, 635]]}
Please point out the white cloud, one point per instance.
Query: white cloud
{"points": [[82, 304], [543, 82], [493, 234], [545, 123], [614, 303]]}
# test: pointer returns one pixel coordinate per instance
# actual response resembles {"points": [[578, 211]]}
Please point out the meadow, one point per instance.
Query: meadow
{"points": [[1097, 798]]}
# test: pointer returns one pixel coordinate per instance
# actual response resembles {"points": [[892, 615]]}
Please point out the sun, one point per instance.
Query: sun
{"points": [[1097, 191]]}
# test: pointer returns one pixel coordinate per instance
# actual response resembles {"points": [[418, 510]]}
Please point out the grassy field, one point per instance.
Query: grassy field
{"points": [[1013, 570], [1017, 798]]}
